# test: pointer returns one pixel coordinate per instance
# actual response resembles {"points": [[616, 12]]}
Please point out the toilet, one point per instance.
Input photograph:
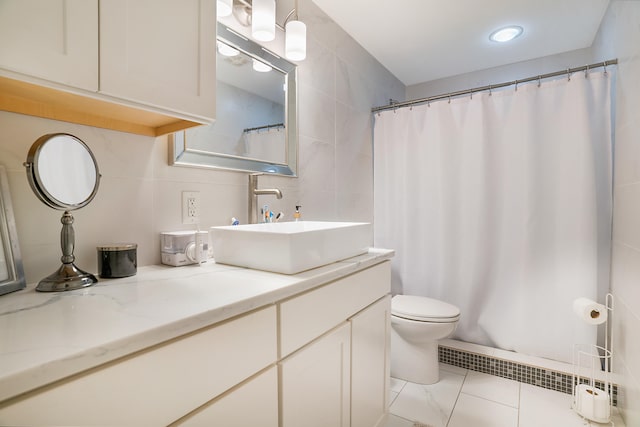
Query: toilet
{"points": [[417, 323]]}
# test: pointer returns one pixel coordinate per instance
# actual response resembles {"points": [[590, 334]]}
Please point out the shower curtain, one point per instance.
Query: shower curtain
{"points": [[500, 203], [266, 144]]}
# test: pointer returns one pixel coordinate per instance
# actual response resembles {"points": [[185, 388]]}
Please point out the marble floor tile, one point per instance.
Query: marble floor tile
{"points": [[429, 404], [473, 399], [478, 412], [453, 369], [551, 408], [491, 387], [396, 385], [394, 421]]}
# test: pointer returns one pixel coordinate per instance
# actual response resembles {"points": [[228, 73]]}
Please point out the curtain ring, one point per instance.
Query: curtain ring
{"points": [[449, 99], [604, 65], [539, 77], [471, 97], [489, 90], [586, 72], [568, 75], [516, 85]]}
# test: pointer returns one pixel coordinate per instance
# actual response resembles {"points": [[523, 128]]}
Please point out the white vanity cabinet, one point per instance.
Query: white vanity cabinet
{"points": [[139, 66], [316, 355], [334, 341], [316, 382], [370, 374], [162, 384], [252, 404]]}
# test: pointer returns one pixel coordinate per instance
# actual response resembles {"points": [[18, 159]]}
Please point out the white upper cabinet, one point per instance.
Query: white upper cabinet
{"points": [[160, 53], [140, 66], [56, 40]]}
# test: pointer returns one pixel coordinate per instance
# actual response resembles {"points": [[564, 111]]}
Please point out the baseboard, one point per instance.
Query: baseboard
{"points": [[450, 353]]}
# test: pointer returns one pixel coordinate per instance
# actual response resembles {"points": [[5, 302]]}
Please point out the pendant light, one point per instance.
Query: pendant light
{"points": [[227, 50], [295, 43], [261, 67], [263, 20], [224, 7], [261, 15]]}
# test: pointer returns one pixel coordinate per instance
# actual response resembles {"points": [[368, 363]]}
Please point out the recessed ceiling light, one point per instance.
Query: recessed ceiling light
{"points": [[505, 34]]}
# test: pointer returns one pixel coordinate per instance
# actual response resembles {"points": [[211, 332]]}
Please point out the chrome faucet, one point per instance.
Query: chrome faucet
{"points": [[253, 196]]}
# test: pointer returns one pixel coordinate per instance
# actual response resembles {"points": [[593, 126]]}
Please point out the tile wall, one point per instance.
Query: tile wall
{"points": [[618, 37], [140, 195]]}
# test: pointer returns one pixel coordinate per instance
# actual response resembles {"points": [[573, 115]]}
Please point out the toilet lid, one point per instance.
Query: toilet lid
{"points": [[423, 309]]}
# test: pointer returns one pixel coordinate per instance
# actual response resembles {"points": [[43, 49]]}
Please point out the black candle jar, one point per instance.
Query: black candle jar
{"points": [[117, 260]]}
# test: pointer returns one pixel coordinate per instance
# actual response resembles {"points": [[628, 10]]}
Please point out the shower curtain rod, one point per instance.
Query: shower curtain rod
{"points": [[267, 127], [393, 104]]}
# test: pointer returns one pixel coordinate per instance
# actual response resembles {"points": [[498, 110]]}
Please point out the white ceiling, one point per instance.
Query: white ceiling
{"points": [[424, 40]]}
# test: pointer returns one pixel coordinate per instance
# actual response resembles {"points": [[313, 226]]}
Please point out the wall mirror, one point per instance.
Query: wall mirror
{"points": [[11, 271], [256, 119], [63, 173]]}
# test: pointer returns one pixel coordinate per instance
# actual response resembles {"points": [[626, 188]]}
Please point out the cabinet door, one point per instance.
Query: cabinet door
{"points": [[55, 40], [160, 53], [315, 382], [157, 386], [370, 364], [252, 404]]}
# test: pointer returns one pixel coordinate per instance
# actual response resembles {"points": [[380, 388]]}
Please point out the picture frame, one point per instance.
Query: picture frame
{"points": [[11, 271]]}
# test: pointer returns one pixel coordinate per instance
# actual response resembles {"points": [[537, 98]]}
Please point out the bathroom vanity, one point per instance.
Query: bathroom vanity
{"points": [[210, 345]]}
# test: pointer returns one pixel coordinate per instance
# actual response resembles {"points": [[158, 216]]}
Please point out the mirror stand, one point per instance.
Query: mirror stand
{"points": [[68, 277], [63, 174]]}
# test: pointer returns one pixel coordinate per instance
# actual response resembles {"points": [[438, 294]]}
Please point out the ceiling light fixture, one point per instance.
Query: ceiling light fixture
{"points": [[295, 42], [263, 20], [261, 67], [506, 34], [261, 16], [227, 50]]}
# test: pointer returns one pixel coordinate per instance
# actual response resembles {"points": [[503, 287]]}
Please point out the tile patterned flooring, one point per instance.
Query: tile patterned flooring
{"points": [[465, 398]]}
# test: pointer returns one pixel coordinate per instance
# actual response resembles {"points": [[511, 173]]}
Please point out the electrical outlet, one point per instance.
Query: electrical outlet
{"points": [[190, 207]]}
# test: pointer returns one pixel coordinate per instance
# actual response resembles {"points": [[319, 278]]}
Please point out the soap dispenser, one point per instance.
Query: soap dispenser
{"points": [[297, 215]]}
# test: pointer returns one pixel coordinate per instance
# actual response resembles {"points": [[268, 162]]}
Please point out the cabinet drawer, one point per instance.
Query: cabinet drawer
{"points": [[158, 386], [305, 317]]}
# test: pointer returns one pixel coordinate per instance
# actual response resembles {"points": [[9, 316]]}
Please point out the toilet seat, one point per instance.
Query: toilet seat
{"points": [[423, 309]]}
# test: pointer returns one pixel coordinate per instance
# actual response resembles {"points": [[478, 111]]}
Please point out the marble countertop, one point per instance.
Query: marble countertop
{"points": [[45, 337]]}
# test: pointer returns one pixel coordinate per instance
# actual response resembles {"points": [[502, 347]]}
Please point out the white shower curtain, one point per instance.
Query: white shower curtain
{"points": [[501, 204]]}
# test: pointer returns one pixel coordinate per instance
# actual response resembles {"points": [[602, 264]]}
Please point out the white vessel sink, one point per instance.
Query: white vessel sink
{"points": [[289, 247]]}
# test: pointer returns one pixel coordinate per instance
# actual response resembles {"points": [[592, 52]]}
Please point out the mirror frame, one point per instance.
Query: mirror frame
{"points": [[181, 155], [9, 240], [38, 186]]}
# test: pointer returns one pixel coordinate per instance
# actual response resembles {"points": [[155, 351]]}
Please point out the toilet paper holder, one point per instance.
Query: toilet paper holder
{"points": [[592, 396]]}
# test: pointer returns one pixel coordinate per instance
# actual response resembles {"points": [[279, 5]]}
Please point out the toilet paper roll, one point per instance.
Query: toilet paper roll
{"points": [[590, 311], [592, 403]]}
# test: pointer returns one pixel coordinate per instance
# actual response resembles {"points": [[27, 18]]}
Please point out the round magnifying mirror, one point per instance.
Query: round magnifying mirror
{"points": [[63, 173]]}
